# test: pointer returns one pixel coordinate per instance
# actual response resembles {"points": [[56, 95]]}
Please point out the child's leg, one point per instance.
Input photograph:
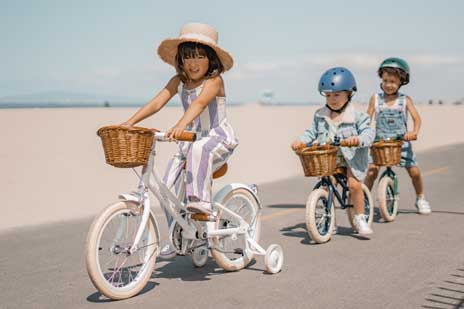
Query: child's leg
{"points": [[173, 178], [371, 176], [357, 197], [408, 160], [204, 157], [416, 179], [356, 192]]}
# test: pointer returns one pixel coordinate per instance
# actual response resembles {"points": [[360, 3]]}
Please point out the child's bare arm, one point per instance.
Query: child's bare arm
{"points": [[371, 107], [415, 118], [155, 104]]}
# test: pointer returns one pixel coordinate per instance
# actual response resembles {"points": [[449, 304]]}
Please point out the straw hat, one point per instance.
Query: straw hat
{"points": [[194, 32]]}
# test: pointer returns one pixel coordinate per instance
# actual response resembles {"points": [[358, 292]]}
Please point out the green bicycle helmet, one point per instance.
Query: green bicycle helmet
{"points": [[396, 63]]}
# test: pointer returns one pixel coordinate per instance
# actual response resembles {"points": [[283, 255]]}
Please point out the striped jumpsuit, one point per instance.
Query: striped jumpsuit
{"points": [[214, 145]]}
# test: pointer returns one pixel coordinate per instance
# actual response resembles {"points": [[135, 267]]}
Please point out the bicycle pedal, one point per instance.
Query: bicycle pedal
{"points": [[203, 217]]}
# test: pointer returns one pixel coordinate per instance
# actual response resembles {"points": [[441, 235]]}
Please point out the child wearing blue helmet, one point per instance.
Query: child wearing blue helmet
{"points": [[338, 118], [389, 110]]}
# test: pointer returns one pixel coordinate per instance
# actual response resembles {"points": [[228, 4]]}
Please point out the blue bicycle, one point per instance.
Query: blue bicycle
{"points": [[320, 206]]}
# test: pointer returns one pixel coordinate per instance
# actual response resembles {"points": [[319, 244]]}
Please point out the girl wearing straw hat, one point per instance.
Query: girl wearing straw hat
{"points": [[199, 62]]}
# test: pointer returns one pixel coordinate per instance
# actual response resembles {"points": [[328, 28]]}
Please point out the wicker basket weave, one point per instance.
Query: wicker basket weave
{"points": [[386, 153], [126, 146], [318, 161]]}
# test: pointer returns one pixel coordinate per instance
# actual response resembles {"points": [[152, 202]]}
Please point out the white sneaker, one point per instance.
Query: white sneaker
{"points": [[167, 252], [361, 225], [423, 207]]}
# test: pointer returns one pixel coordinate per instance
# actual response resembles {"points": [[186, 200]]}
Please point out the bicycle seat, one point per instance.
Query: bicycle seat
{"points": [[221, 171], [217, 173]]}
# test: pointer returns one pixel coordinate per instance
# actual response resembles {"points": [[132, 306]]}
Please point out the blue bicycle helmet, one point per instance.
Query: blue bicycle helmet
{"points": [[337, 79]]}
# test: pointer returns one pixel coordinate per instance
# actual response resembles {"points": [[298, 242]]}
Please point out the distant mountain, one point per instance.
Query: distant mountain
{"points": [[64, 97]]}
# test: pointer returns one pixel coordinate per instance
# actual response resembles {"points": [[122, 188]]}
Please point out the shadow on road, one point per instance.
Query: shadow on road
{"points": [[97, 297], [299, 230], [450, 294], [414, 212], [180, 268]]}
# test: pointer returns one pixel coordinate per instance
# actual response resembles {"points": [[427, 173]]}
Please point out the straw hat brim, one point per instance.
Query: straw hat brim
{"points": [[167, 51]]}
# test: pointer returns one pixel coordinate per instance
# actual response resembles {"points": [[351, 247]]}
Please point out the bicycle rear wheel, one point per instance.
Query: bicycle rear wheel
{"points": [[113, 270], [229, 253], [388, 202]]}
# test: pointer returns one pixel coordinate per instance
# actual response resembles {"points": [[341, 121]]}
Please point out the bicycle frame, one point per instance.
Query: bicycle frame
{"points": [[327, 182], [169, 201]]}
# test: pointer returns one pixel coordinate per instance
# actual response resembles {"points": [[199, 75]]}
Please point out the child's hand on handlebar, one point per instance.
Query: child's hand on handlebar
{"points": [[410, 136], [298, 145], [176, 132], [351, 141]]}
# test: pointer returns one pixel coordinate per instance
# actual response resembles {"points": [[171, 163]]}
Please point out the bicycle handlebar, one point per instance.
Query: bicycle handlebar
{"points": [[337, 142], [186, 136], [397, 138]]}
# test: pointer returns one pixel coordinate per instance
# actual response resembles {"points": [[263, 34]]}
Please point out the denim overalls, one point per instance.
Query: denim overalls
{"points": [[391, 121]]}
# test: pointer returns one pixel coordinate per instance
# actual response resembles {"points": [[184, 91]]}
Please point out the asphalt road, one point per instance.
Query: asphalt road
{"points": [[415, 262]]}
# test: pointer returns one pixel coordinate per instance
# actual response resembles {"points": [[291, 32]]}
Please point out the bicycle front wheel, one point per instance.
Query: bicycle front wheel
{"points": [[113, 269], [231, 252], [319, 220], [388, 202]]}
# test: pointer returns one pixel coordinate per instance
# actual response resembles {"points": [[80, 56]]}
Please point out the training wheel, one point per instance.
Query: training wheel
{"points": [[200, 257], [274, 259]]}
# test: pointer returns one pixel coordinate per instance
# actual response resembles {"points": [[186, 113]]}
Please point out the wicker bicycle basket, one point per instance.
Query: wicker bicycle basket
{"points": [[386, 152], [126, 146], [318, 161]]}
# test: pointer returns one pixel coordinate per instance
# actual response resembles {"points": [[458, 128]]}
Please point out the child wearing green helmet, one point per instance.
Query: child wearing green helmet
{"points": [[389, 111]]}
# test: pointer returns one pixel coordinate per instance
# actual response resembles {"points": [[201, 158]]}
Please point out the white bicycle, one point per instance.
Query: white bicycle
{"points": [[123, 240]]}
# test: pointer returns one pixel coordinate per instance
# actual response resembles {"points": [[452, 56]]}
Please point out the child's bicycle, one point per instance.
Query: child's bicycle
{"points": [[387, 153], [320, 161], [123, 240]]}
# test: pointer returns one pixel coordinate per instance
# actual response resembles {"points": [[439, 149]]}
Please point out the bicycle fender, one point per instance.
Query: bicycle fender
{"points": [[131, 197], [219, 196], [134, 197]]}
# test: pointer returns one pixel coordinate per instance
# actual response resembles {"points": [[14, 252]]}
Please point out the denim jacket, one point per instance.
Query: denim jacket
{"points": [[354, 123]]}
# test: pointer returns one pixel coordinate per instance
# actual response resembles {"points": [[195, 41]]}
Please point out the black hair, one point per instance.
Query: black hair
{"points": [[192, 49]]}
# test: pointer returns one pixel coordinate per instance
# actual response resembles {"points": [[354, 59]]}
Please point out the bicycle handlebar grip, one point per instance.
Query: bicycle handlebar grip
{"points": [[187, 137], [344, 143]]}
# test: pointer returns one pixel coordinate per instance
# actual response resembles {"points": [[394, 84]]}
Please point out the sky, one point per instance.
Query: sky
{"points": [[109, 47]]}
